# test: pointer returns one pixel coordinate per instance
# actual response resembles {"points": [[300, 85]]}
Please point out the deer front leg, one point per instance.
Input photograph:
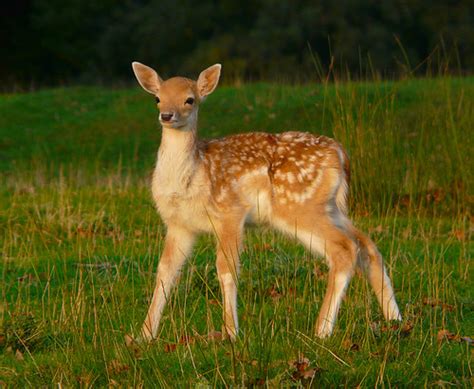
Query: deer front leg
{"points": [[178, 244], [228, 249]]}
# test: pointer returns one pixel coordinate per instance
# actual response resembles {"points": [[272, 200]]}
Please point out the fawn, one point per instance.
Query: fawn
{"points": [[294, 181]]}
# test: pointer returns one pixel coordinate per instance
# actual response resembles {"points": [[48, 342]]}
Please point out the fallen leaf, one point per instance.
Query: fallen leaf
{"points": [[375, 327], [300, 364], [378, 229], [214, 302], [170, 347], [186, 339], [405, 200], [133, 345], [406, 233], [310, 373], [19, 355], [446, 335], [438, 303], [252, 382], [348, 345], [354, 347], [84, 233], [267, 246], [291, 292], [274, 293], [407, 328], [302, 371], [85, 379], [460, 235], [318, 271], [26, 277], [214, 335], [117, 367], [129, 341]]}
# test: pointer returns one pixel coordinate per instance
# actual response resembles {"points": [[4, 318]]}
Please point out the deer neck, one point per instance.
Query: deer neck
{"points": [[177, 158]]}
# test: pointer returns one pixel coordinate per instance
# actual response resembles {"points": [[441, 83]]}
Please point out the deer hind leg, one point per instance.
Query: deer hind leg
{"points": [[372, 263], [341, 254], [178, 245], [340, 251], [229, 238]]}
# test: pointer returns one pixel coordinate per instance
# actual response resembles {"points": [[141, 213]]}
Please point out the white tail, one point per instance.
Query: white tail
{"points": [[295, 181]]}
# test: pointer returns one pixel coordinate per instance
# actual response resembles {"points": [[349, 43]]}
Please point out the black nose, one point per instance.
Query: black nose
{"points": [[166, 117]]}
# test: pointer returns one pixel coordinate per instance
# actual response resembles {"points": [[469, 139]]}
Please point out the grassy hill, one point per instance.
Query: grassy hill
{"points": [[80, 240]]}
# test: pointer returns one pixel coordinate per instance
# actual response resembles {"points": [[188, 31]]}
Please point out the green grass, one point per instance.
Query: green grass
{"points": [[80, 241]]}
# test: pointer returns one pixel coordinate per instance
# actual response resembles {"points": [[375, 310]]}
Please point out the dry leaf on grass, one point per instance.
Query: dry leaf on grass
{"points": [[378, 229], [349, 345], [170, 347], [403, 328], [129, 341], [460, 235], [437, 303], [274, 293], [318, 271], [310, 373], [300, 364], [447, 335], [132, 345], [26, 277], [186, 339], [117, 367], [215, 335], [263, 247], [302, 370], [19, 355], [252, 382]]}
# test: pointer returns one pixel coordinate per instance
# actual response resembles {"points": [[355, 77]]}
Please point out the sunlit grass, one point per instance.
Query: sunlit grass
{"points": [[80, 241]]}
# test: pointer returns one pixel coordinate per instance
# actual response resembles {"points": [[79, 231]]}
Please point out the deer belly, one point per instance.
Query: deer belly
{"points": [[260, 206], [256, 192]]}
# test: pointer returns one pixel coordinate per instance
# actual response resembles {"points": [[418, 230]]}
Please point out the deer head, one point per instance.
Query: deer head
{"points": [[178, 98]]}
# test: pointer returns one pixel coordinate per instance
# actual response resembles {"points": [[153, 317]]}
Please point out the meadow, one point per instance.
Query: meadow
{"points": [[80, 241]]}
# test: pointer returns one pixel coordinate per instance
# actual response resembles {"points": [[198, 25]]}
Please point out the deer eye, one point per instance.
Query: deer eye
{"points": [[157, 100], [189, 101]]}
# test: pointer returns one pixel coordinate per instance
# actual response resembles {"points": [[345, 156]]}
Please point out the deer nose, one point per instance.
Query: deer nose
{"points": [[166, 117]]}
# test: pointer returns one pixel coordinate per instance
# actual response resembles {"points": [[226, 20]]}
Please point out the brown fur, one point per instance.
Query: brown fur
{"points": [[294, 181]]}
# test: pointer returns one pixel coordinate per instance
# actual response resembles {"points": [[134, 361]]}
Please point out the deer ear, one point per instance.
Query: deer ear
{"points": [[147, 77], [208, 80]]}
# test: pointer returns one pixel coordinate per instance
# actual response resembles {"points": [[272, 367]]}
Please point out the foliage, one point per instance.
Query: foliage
{"points": [[49, 42]]}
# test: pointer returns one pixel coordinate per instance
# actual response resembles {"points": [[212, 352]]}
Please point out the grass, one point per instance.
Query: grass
{"points": [[80, 241]]}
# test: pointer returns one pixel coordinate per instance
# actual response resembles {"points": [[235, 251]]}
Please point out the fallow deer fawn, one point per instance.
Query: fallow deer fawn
{"points": [[294, 181]]}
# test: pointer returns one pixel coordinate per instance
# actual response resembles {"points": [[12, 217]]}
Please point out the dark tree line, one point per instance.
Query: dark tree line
{"points": [[48, 42]]}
